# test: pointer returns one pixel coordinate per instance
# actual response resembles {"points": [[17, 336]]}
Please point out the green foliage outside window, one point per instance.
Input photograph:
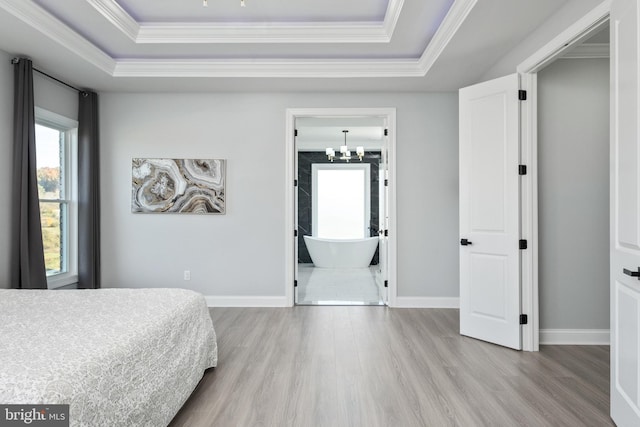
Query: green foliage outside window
{"points": [[50, 213]]}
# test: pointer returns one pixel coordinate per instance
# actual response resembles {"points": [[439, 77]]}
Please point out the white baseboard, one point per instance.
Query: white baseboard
{"points": [[240, 301], [574, 336], [427, 302]]}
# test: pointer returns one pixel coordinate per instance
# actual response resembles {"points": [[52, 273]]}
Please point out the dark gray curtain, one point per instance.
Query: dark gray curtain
{"points": [[88, 193], [27, 254]]}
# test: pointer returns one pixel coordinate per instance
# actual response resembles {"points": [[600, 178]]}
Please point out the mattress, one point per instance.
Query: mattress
{"points": [[118, 357]]}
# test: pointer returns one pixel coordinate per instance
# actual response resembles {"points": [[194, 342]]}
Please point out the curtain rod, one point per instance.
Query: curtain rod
{"points": [[83, 92]]}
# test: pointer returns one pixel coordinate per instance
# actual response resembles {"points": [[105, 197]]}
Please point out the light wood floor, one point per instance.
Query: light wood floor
{"points": [[375, 366]]}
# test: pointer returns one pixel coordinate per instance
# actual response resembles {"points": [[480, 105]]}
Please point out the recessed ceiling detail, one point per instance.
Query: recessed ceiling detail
{"points": [[375, 45], [117, 66], [250, 32]]}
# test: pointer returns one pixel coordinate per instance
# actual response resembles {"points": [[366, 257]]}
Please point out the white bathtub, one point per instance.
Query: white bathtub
{"points": [[334, 253]]}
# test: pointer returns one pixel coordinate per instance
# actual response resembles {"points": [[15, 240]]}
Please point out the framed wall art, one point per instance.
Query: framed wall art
{"points": [[194, 186]]}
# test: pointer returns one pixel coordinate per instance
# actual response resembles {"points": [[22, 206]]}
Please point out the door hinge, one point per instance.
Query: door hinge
{"points": [[522, 95], [522, 244], [386, 283], [386, 182], [386, 132], [522, 169], [295, 283], [295, 233], [386, 233], [295, 182], [295, 132], [524, 319]]}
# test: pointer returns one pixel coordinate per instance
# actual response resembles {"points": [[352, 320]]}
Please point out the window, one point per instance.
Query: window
{"points": [[56, 155], [341, 200]]}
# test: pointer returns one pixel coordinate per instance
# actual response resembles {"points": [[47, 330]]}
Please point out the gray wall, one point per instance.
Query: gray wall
{"points": [[571, 12], [49, 95], [242, 252], [573, 156]]}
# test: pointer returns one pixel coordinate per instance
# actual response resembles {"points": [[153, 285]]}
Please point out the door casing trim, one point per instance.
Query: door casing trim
{"points": [[586, 26]]}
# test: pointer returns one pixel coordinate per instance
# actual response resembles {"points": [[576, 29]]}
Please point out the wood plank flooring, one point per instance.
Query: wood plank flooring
{"points": [[375, 366]]}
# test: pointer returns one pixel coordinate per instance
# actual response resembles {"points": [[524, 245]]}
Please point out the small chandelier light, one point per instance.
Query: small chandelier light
{"points": [[345, 153], [330, 154]]}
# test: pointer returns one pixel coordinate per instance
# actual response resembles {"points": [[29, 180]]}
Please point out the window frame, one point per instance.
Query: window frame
{"points": [[366, 167], [69, 164]]}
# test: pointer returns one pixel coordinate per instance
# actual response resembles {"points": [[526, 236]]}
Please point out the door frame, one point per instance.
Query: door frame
{"points": [[528, 71], [389, 114]]}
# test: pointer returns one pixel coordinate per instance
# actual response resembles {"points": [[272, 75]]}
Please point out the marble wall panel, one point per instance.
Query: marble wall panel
{"points": [[305, 160]]}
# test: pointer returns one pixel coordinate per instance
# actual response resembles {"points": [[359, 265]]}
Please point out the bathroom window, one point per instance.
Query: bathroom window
{"points": [[341, 200]]}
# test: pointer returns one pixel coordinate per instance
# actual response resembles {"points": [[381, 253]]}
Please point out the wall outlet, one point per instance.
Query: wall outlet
{"points": [[187, 275]]}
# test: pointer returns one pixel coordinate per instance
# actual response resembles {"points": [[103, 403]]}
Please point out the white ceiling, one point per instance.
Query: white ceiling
{"points": [[269, 45]]}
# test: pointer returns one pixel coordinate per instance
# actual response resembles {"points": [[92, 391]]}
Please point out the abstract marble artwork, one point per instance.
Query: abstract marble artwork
{"points": [[178, 186]]}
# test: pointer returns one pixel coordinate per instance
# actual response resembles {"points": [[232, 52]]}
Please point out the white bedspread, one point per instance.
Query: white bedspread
{"points": [[119, 357]]}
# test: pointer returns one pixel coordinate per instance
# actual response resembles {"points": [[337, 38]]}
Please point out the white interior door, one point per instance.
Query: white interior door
{"points": [[625, 214], [383, 222], [295, 231], [489, 212]]}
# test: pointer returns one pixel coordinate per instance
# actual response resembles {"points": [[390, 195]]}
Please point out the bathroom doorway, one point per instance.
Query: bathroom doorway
{"points": [[341, 210]]}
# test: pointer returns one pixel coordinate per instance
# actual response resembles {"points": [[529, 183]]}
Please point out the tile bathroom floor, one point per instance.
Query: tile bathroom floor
{"points": [[329, 286]]}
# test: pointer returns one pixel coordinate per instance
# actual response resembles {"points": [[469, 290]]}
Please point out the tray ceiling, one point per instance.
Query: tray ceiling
{"points": [[120, 42]]}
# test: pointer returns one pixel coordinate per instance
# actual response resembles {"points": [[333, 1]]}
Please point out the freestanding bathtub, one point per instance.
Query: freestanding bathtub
{"points": [[338, 253]]}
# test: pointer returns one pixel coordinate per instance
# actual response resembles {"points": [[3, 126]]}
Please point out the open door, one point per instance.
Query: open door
{"points": [[294, 235], [383, 220], [625, 213], [489, 212]]}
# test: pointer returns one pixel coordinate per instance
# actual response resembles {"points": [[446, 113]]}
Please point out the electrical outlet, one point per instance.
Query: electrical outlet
{"points": [[187, 275]]}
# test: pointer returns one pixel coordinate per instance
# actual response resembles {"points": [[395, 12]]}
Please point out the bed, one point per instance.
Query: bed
{"points": [[118, 357]]}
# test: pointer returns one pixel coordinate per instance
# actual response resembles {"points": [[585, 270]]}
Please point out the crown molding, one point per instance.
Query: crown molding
{"points": [[250, 32], [447, 29], [47, 24], [291, 33], [267, 68], [588, 51], [117, 16], [391, 17], [41, 20]]}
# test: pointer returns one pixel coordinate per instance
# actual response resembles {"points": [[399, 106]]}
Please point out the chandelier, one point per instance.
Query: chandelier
{"points": [[205, 3], [345, 153]]}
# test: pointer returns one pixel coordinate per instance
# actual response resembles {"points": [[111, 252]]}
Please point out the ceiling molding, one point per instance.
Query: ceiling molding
{"points": [[250, 32], [117, 16], [41, 20], [268, 68], [391, 17], [450, 25], [588, 51], [47, 24], [292, 33], [306, 68]]}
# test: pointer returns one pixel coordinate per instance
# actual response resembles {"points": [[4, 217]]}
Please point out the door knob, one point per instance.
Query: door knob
{"points": [[632, 273], [465, 242]]}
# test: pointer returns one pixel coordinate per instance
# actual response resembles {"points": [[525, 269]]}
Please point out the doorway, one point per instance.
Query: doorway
{"points": [[566, 42], [341, 206], [486, 110], [573, 195]]}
